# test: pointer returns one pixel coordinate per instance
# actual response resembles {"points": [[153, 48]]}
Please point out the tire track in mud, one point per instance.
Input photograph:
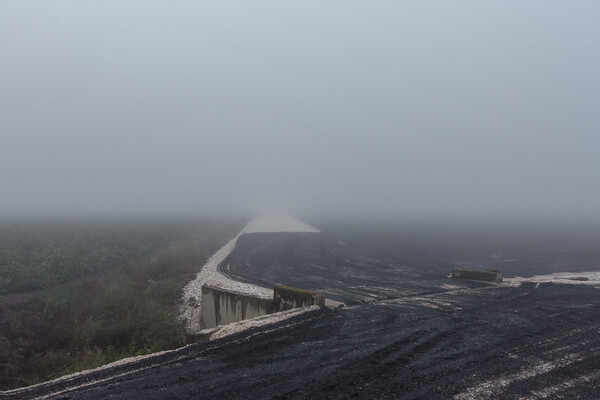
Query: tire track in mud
{"points": [[393, 349], [442, 341], [319, 261]]}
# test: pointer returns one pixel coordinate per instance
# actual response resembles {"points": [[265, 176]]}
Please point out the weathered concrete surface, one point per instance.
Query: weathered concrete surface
{"points": [[288, 297], [477, 275], [220, 307], [222, 331]]}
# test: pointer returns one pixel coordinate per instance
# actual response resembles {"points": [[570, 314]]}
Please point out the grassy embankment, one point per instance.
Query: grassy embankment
{"points": [[77, 295]]}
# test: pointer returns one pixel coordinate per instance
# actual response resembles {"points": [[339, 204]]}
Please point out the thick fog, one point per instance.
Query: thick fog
{"points": [[406, 109]]}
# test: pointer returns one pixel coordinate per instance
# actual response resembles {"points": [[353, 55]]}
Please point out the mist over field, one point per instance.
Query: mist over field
{"points": [[398, 109], [383, 199]]}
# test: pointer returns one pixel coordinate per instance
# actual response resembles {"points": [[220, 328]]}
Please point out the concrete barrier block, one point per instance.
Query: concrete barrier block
{"points": [[289, 297], [221, 307]]}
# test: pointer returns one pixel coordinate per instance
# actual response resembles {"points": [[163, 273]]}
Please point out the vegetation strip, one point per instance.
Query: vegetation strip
{"points": [[108, 290]]}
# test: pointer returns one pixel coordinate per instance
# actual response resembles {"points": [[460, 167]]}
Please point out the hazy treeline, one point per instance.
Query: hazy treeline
{"points": [[79, 294]]}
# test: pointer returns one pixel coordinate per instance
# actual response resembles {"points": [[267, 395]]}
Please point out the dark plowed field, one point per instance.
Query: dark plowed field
{"points": [[343, 272], [422, 335]]}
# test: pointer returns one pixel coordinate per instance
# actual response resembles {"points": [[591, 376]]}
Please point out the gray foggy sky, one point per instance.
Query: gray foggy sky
{"points": [[380, 108]]}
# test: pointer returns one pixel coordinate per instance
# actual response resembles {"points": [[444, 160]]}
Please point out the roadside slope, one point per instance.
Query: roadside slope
{"points": [[191, 300]]}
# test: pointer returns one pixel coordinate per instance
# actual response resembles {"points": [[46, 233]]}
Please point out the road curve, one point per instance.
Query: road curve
{"points": [[408, 336], [346, 273]]}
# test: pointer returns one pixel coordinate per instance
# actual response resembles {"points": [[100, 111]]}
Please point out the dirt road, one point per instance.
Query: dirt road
{"points": [[423, 336]]}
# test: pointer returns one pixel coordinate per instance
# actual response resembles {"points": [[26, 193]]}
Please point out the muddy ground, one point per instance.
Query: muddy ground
{"points": [[409, 332]]}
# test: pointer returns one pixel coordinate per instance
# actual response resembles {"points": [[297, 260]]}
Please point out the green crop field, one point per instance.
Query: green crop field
{"points": [[77, 294]]}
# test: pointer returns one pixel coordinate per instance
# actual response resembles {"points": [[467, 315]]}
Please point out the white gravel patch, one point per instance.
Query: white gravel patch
{"points": [[493, 388], [593, 278], [192, 294], [240, 326]]}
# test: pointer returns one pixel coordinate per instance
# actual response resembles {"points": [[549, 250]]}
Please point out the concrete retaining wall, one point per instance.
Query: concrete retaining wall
{"points": [[220, 307], [289, 297]]}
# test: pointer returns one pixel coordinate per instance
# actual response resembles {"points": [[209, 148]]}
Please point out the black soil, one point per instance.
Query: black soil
{"points": [[349, 273], [422, 336]]}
